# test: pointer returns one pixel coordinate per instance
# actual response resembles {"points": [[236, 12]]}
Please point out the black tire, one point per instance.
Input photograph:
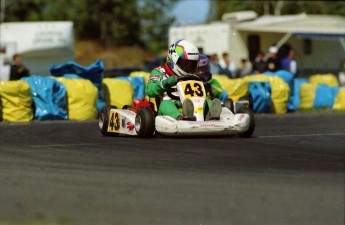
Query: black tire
{"points": [[229, 103], [103, 121], [247, 98], [126, 106], [145, 123], [251, 128]]}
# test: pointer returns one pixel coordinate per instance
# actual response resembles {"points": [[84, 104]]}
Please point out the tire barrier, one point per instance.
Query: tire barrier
{"points": [[138, 85], [280, 91], [325, 96], [235, 88], [339, 102], [260, 93], [16, 101], [81, 98], [1, 83], [117, 92], [307, 95], [93, 72], [295, 99], [41, 98], [144, 74], [329, 79], [49, 97]]}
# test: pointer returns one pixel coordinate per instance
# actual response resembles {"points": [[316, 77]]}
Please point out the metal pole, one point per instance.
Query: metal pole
{"points": [[342, 42], [283, 40]]}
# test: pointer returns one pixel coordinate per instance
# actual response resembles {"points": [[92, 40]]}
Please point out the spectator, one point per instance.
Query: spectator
{"points": [[259, 63], [228, 66], [18, 70], [244, 70], [289, 63], [272, 63], [214, 64]]}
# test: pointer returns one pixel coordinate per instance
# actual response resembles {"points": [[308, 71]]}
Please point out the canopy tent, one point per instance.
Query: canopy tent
{"points": [[314, 37], [323, 24], [330, 27]]}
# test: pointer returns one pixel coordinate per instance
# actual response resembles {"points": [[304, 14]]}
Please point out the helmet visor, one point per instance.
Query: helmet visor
{"points": [[204, 73], [189, 66], [202, 70]]}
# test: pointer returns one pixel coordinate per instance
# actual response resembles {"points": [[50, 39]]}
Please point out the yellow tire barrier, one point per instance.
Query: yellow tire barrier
{"points": [[81, 98], [339, 103], [16, 101], [307, 95], [329, 79], [235, 88], [280, 91], [117, 92], [144, 74]]}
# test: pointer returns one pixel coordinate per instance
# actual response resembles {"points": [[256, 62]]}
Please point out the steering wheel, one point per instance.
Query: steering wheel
{"points": [[170, 90]]}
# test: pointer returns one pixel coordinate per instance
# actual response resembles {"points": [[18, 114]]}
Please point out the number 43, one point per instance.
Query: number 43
{"points": [[196, 89]]}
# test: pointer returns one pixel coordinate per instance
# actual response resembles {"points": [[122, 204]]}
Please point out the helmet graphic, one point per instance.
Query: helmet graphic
{"points": [[183, 57], [203, 70]]}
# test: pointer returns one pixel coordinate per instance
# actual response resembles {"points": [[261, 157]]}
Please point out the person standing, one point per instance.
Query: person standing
{"points": [[215, 67], [227, 65], [259, 64], [18, 70], [272, 63], [244, 69], [289, 63]]}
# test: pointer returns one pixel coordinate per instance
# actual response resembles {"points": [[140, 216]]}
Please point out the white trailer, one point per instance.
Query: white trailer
{"points": [[41, 44], [319, 40]]}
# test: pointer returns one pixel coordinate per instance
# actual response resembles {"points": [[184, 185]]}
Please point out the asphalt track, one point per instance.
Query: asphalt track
{"points": [[290, 172]]}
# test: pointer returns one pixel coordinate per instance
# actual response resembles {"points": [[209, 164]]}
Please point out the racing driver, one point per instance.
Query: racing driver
{"points": [[182, 60]]}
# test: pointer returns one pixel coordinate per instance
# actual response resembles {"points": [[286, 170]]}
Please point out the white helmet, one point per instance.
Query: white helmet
{"points": [[183, 57]]}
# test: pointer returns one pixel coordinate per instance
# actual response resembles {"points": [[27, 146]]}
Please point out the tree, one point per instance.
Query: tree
{"points": [[155, 23], [110, 22], [22, 10]]}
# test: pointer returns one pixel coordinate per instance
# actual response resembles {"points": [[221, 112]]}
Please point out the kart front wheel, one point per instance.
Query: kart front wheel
{"points": [[103, 120], [145, 123], [251, 127]]}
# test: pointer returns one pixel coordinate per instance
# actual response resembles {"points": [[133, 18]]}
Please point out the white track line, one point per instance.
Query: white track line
{"points": [[59, 145], [301, 135]]}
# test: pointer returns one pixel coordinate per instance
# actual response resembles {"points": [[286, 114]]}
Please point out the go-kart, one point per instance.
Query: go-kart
{"points": [[141, 118]]}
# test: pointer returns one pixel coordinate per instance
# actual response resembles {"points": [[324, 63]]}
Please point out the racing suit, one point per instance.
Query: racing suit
{"points": [[154, 88]]}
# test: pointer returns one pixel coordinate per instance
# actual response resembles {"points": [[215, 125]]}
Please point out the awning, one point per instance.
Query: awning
{"points": [[319, 35]]}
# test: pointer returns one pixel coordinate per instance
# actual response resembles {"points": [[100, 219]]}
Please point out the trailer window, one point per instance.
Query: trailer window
{"points": [[307, 46], [253, 45]]}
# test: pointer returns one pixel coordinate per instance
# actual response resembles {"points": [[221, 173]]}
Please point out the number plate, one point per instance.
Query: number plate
{"points": [[193, 89], [114, 122]]}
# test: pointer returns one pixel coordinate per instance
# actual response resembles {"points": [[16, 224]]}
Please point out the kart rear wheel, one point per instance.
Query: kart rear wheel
{"points": [[103, 121], [229, 103], [145, 123], [251, 127]]}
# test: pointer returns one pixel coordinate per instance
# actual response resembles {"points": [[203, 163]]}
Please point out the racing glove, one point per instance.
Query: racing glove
{"points": [[169, 82], [216, 92]]}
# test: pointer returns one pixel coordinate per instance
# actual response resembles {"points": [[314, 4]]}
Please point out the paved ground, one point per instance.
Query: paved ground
{"points": [[290, 172]]}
